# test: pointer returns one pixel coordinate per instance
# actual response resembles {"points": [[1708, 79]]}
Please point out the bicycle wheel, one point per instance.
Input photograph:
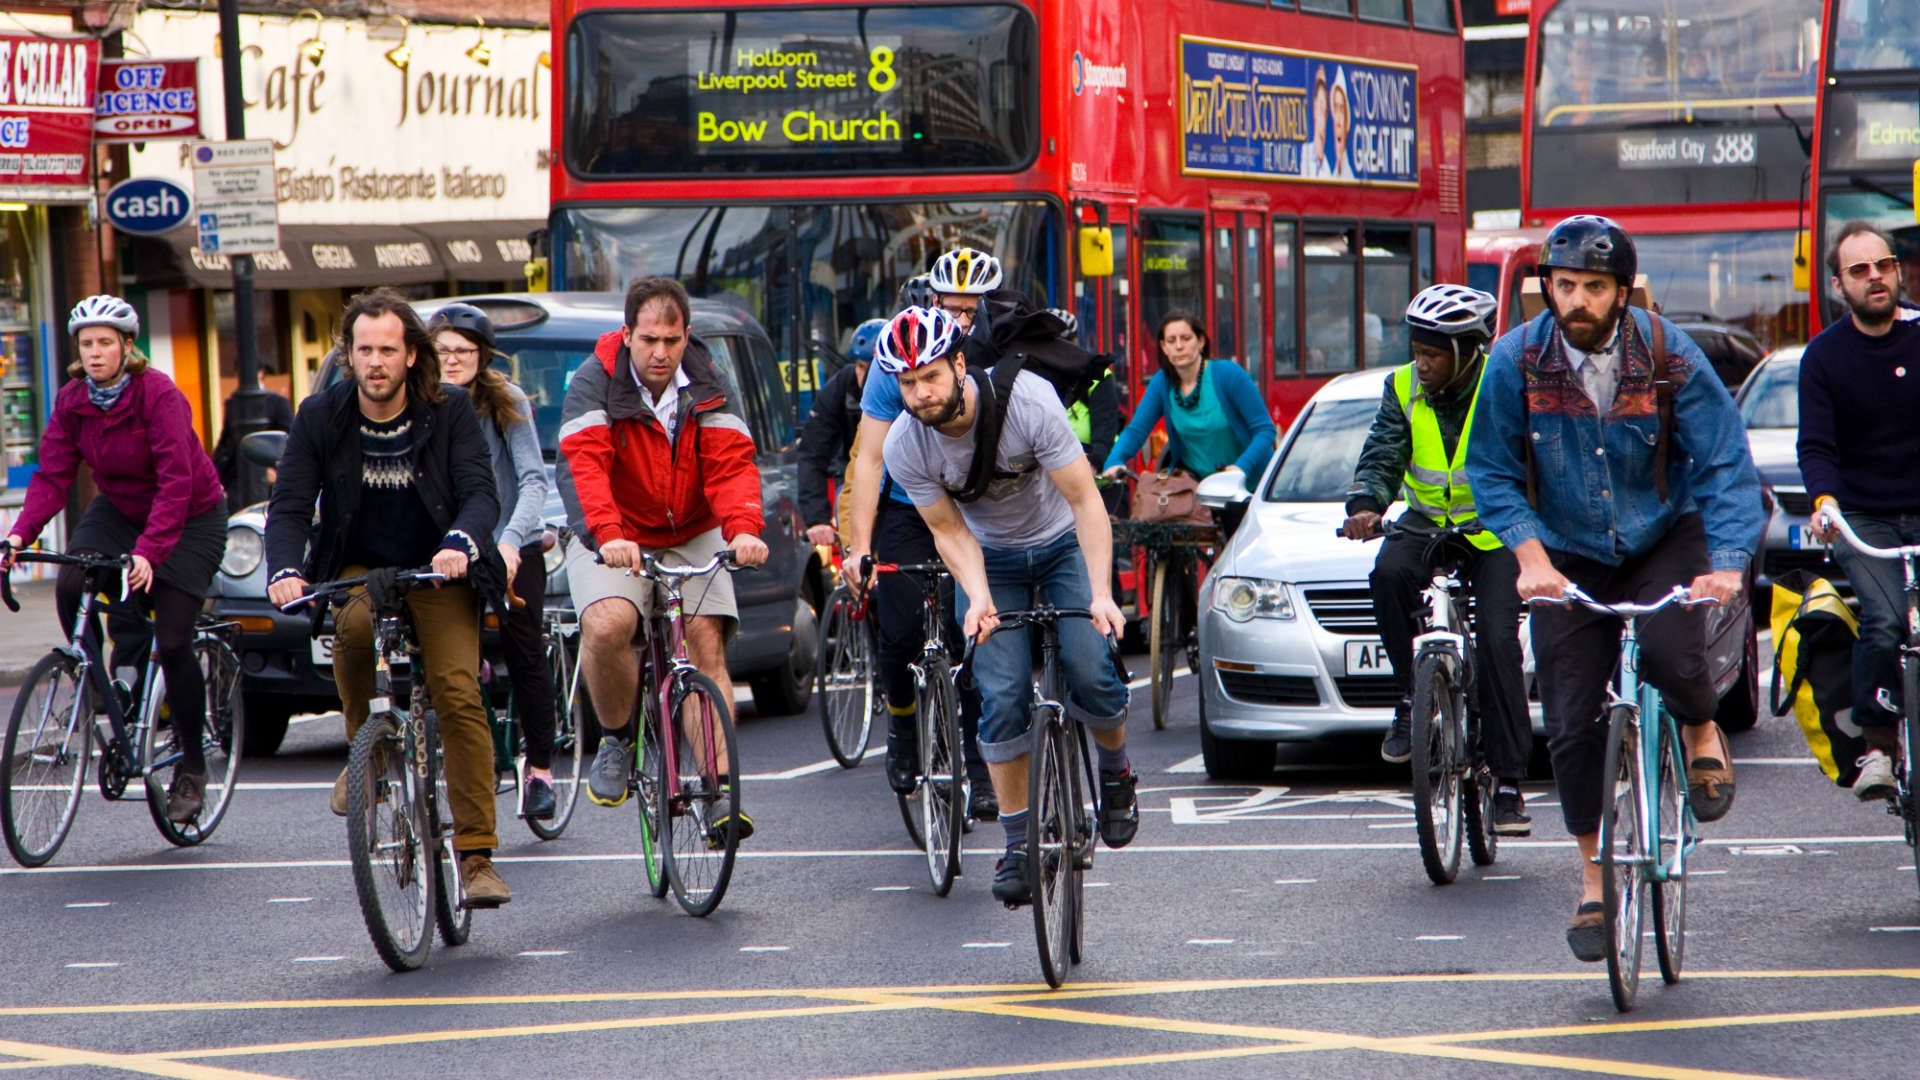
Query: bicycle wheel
{"points": [[1438, 736], [1910, 740], [943, 776], [1078, 775], [650, 775], [698, 815], [1476, 801], [1163, 642], [1623, 886], [569, 749], [846, 694], [46, 760], [389, 841], [1675, 832], [449, 899], [220, 674], [1052, 823]]}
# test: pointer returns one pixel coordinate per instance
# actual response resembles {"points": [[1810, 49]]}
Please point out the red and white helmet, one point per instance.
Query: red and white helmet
{"points": [[916, 337]]}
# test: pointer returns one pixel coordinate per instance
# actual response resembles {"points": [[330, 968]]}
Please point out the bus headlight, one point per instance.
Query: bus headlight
{"points": [[1242, 599], [245, 549]]}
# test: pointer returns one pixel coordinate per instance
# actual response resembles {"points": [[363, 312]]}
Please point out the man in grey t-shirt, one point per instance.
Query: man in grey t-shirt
{"points": [[1040, 535]]}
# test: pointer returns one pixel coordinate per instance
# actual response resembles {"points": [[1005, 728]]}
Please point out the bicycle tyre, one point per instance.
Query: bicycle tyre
{"points": [[41, 780], [449, 906], [650, 776], [1162, 643], [1476, 800], [220, 674], [840, 676], [1910, 686], [1078, 773], [1437, 795], [697, 867], [569, 749], [943, 775], [1675, 831], [1623, 887], [1051, 824], [395, 887]]}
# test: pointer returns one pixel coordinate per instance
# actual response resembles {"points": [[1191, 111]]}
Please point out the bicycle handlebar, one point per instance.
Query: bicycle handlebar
{"points": [[330, 588], [1576, 595], [655, 570], [1903, 551], [1392, 527], [1009, 620], [85, 561]]}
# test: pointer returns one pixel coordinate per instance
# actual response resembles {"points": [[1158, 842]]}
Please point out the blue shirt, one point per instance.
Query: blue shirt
{"points": [[1207, 442], [881, 400]]}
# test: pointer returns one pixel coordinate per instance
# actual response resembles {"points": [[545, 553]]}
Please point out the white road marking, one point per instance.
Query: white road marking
{"points": [[1775, 761], [318, 959], [1298, 881], [1210, 941], [892, 888], [1704, 873], [545, 952], [1392, 825], [987, 945], [1441, 937], [96, 964], [1146, 680], [291, 900], [1096, 884], [1501, 877], [91, 904], [1194, 764], [1870, 929], [1906, 869], [765, 948]]}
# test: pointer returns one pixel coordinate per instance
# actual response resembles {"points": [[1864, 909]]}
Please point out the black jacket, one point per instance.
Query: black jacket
{"points": [[452, 471], [827, 440], [226, 452]]}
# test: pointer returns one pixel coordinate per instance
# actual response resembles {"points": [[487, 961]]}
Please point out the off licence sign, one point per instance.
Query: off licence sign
{"points": [[144, 100], [233, 188]]}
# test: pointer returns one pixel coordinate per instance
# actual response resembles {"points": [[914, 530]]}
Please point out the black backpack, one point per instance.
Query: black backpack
{"points": [[1020, 338]]}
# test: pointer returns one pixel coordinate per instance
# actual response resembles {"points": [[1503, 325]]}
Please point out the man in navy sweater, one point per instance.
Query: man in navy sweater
{"points": [[1859, 395]]}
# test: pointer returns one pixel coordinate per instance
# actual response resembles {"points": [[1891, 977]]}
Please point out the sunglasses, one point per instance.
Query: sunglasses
{"points": [[1859, 271]]}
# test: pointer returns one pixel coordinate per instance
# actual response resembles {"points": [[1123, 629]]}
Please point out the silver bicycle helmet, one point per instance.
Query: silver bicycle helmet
{"points": [[104, 310], [1454, 311]]}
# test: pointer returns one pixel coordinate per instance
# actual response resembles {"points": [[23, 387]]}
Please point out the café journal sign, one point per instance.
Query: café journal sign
{"points": [[1274, 114], [359, 141]]}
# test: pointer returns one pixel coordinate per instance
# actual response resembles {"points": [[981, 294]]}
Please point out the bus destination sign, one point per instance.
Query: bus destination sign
{"points": [[1274, 114], [797, 94]]}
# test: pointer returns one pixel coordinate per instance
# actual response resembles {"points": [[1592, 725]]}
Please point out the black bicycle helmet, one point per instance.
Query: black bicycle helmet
{"points": [[467, 319], [918, 292], [1589, 242]]}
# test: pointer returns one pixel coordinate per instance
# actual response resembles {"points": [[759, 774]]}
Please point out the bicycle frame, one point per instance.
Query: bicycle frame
{"points": [[666, 659]]}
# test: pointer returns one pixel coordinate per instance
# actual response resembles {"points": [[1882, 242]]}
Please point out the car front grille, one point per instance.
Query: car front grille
{"points": [[1793, 501], [1343, 609], [1367, 691], [1256, 689], [1778, 562]]}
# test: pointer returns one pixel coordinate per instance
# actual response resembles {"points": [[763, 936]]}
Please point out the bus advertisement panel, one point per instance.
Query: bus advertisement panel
{"points": [[1667, 116]]}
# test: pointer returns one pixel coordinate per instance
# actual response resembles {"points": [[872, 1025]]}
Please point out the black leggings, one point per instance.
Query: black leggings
{"points": [[522, 638], [174, 613]]}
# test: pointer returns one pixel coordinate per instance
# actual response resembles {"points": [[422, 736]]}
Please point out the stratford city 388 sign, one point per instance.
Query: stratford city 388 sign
{"points": [[46, 117], [1274, 114]]}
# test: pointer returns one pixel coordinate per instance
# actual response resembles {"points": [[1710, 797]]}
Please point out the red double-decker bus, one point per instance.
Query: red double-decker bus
{"points": [[1868, 140], [1289, 170], [1689, 124]]}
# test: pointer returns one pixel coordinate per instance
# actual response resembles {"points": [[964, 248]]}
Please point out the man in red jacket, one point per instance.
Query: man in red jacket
{"points": [[652, 460]]}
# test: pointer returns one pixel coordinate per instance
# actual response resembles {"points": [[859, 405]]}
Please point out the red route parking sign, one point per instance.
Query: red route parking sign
{"points": [[142, 100], [46, 115]]}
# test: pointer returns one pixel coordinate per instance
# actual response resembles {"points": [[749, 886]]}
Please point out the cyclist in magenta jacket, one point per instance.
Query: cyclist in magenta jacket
{"points": [[160, 501]]}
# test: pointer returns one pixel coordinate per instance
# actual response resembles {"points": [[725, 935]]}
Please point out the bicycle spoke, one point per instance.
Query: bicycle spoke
{"points": [[45, 762], [699, 823]]}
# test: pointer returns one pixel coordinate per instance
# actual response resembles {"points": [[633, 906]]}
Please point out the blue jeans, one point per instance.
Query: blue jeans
{"points": [[1054, 574], [1881, 586]]}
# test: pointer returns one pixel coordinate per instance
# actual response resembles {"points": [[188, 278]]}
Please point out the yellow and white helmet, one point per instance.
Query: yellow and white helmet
{"points": [[966, 272]]}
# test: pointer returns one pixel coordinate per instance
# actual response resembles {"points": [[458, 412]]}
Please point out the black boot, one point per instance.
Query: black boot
{"points": [[1397, 747], [903, 754]]}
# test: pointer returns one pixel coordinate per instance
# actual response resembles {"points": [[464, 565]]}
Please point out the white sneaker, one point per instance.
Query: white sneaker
{"points": [[1876, 776]]}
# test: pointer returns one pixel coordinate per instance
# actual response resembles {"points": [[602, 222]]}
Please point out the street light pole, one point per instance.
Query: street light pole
{"points": [[248, 405]]}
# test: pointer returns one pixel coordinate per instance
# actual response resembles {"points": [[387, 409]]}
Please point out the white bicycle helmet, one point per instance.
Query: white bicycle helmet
{"points": [[915, 338], [1454, 311], [104, 310], [966, 272]]}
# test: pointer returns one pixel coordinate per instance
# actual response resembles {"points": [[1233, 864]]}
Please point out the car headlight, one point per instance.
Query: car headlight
{"points": [[1252, 598], [245, 549], [553, 552]]}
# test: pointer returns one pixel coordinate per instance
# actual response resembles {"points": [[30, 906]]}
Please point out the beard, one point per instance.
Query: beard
{"points": [[946, 411], [1585, 333], [1873, 307], [393, 387]]}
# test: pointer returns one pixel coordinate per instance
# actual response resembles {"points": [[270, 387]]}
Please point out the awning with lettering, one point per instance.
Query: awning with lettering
{"points": [[482, 250], [331, 256]]}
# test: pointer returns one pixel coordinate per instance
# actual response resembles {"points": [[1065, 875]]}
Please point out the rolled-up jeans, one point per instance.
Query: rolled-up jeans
{"points": [[1056, 574]]}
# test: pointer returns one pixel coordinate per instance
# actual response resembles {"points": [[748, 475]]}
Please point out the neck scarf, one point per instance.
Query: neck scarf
{"points": [[104, 397]]}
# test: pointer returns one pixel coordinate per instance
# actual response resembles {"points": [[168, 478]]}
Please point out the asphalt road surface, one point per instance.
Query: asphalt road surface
{"points": [[1283, 929]]}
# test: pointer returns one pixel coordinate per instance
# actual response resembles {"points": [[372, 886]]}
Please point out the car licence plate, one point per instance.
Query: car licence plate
{"points": [[323, 653], [1368, 658], [1801, 538]]}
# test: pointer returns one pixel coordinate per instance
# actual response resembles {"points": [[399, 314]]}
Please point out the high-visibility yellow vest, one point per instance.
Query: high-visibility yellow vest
{"points": [[1082, 420], [1435, 485]]}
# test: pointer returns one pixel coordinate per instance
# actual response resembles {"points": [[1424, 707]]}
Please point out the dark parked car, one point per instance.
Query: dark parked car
{"points": [[546, 336], [1732, 350]]}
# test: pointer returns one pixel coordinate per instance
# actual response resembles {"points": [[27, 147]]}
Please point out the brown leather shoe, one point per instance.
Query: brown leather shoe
{"points": [[186, 796], [1710, 782], [1587, 935], [339, 802], [482, 882]]}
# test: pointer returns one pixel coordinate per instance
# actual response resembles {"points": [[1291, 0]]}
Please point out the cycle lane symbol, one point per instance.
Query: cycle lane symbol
{"points": [[1281, 804]]}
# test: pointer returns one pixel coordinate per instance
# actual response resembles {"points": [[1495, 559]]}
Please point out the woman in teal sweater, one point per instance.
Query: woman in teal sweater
{"points": [[1215, 419]]}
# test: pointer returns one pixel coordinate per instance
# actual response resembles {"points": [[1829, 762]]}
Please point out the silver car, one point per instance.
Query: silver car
{"points": [[1303, 660]]}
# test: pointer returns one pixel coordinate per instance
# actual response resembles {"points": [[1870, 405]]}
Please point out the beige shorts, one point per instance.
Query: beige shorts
{"points": [[709, 594]]}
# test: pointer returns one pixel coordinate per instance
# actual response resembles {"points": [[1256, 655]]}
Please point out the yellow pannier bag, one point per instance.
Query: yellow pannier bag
{"points": [[1813, 636]]}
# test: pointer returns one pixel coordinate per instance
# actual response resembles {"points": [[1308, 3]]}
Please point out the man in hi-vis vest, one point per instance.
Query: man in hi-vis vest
{"points": [[1417, 451]]}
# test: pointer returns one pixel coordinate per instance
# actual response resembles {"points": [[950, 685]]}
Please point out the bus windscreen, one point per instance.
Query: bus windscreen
{"points": [[802, 90]]}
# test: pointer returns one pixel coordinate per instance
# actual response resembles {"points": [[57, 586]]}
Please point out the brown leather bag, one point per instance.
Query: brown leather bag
{"points": [[1168, 496]]}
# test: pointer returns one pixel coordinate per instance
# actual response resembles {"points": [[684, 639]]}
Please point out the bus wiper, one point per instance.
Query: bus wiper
{"points": [[1865, 184]]}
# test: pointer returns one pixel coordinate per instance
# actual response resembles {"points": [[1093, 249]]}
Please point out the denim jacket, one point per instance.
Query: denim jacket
{"points": [[1595, 477]]}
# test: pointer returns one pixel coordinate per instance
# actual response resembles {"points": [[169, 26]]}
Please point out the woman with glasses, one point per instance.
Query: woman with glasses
{"points": [[463, 336]]}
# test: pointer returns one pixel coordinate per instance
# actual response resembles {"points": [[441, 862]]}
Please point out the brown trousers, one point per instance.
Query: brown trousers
{"points": [[447, 622]]}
